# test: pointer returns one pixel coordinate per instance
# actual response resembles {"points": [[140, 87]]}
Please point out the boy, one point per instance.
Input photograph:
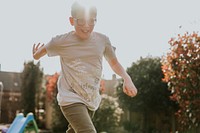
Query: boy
{"points": [[81, 53]]}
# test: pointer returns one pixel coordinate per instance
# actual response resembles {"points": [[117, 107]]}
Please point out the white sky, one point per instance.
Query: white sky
{"points": [[135, 27]]}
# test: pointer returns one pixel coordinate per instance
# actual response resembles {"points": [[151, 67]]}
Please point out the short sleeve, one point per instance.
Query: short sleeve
{"points": [[54, 46], [109, 52]]}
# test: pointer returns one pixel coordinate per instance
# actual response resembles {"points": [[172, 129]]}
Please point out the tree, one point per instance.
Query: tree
{"points": [[108, 116], [181, 67], [153, 96], [31, 82]]}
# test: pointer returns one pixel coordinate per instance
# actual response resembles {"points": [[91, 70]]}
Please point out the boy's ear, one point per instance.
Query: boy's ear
{"points": [[71, 20]]}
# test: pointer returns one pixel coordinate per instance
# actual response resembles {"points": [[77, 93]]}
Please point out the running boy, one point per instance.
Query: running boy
{"points": [[81, 52]]}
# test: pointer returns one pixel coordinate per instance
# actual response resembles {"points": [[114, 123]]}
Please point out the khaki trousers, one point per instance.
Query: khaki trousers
{"points": [[79, 118]]}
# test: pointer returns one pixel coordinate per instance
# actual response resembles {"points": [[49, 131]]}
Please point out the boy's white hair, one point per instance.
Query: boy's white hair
{"points": [[85, 7]]}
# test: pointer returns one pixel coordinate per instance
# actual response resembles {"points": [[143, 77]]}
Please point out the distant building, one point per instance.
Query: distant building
{"points": [[10, 103], [109, 87], [11, 96]]}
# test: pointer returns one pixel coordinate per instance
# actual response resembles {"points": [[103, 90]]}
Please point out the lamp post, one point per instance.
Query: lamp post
{"points": [[1, 87]]}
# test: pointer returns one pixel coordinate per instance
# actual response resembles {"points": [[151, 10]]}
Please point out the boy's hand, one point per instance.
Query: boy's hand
{"points": [[35, 48], [129, 88], [38, 51]]}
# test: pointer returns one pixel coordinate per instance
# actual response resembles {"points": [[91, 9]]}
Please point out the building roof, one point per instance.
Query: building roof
{"points": [[11, 81]]}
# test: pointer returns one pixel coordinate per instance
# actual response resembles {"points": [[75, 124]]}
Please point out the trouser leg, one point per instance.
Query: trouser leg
{"points": [[79, 118]]}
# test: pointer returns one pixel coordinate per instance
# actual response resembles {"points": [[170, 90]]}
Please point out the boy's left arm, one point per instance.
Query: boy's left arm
{"points": [[128, 86]]}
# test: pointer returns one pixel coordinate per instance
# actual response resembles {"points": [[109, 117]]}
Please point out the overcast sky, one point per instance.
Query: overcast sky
{"points": [[137, 28]]}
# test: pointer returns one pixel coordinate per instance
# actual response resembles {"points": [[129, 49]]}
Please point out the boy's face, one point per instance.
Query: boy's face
{"points": [[83, 21], [83, 26]]}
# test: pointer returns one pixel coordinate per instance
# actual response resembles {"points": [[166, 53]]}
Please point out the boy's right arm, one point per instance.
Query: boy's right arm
{"points": [[39, 51]]}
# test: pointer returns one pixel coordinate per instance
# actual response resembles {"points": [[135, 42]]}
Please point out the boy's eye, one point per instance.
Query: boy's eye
{"points": [[91, 21], [82, 22]]}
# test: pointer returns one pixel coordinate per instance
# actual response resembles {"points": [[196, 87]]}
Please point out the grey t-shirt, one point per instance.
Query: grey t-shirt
{"points": [[81, 67]]}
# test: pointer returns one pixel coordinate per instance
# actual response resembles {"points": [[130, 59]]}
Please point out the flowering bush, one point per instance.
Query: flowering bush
{"points": [[51, 85], [181, 68], [108, 116]]}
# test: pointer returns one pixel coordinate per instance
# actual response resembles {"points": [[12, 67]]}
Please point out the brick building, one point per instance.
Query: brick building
{"points": [[10, 100]]}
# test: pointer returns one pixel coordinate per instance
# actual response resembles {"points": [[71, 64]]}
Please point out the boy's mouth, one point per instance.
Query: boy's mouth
{"points": [[85, 31]]}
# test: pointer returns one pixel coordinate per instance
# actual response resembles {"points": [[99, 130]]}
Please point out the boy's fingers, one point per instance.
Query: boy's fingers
{"points": [[37, 45], [33, 50], [125, 90], [133, 93], [130, 92]]}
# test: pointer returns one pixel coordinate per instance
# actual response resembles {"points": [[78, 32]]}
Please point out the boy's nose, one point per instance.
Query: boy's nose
{"points": [[86, 24]]}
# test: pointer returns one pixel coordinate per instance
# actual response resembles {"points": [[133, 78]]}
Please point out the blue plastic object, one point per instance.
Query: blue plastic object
{"points": [[20, 122]]}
